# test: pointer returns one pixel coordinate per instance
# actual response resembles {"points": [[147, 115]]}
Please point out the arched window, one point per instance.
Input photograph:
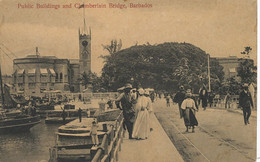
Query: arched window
{"points": [[57, 77], [61, 77]]}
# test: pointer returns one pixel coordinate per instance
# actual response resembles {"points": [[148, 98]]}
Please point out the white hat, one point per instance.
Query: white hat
{"points": [[146, 92], [141, 91]]}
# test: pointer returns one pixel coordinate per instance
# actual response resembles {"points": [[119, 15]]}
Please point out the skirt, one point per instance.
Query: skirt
{"points": [[189, 117], [141, 126]]}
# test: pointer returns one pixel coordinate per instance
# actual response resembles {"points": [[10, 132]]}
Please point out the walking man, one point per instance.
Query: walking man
{"points": [[245, 101], [178, 98], [79, 113], [203, 95], [127, 102]]}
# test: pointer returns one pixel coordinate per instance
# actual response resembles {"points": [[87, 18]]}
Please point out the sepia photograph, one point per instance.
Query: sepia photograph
{"points": [[128, 81]]}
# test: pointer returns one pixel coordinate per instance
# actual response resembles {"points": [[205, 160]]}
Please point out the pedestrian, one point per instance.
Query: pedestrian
{"points": [[203, 95], [168, 100], [178, 98], [227, 100], [210, 98], [128, 101], [152, 96], [110, 104], [102, 105], [143, 108], [80, 114], [64, 115], [246, 102], [147, 95], [88, 113], [189, 107], [94, 133]]}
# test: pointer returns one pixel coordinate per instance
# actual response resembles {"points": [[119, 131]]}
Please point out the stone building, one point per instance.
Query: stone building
{"points": [[35, 74], [230, 65]]}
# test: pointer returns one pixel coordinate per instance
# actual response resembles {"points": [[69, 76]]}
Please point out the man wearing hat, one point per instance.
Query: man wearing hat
{"points": [[127, 102], [245, 101], [178, 98]]}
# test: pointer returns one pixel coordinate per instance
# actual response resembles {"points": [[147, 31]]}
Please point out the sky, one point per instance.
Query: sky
{"points": [[221, 28]]}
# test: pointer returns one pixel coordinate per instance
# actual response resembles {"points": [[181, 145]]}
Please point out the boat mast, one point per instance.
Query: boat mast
{"points": [[1, 83]]}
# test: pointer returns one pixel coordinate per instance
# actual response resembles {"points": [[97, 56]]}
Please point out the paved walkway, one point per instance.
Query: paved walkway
{"points": [[158, 147]]}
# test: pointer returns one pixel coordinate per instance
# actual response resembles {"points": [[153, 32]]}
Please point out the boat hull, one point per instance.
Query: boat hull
{"points": [[58, 120], [18, 125]]}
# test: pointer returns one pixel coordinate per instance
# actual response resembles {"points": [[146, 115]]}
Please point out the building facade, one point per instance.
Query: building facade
{"points": [[230, 65], [34, 75]]}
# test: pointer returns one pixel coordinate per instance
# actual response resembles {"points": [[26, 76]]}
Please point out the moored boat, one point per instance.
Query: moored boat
{"points": [[14, 121], [74, 142], [18, 123]]}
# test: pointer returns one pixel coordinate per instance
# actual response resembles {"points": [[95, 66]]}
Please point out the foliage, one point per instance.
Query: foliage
{"points": [[232, 85], [163, 67], [91, 79], [113, 47], [247, 70], [247, 51]]}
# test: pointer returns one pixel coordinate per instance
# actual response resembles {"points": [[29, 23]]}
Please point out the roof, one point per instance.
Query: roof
{"points": [[52, 72], [31, 71], [20, 71], [43, 71]]}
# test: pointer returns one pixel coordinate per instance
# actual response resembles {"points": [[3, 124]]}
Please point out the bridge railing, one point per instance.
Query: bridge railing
{"points": [[111, 143]]}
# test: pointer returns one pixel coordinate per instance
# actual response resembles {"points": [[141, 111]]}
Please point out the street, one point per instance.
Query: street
{"points": [[220, 136]]}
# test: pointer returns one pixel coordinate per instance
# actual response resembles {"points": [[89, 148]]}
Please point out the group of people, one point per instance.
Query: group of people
{"points": [[137, 108], [188, 105]]}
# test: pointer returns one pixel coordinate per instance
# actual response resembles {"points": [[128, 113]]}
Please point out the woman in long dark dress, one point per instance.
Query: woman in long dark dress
{"points": [[189, 107]]}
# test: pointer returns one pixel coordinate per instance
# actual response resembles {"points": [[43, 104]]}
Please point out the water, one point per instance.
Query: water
{"points": [[30, 146]]}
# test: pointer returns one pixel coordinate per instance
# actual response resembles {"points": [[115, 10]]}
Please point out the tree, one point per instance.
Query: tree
{"points": [[246, 70], [113, 47], [90, 78], [85, 79], [163, 67]]}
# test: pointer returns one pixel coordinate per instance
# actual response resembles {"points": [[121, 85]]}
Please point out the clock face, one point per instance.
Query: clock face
{"points": [[84, 43]]}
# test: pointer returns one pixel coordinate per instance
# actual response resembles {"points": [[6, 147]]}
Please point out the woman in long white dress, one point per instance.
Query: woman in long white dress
{"points": [[142, 123]]}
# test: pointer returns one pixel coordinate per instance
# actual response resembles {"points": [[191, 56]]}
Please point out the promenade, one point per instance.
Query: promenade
{"points": [[158, 147]]}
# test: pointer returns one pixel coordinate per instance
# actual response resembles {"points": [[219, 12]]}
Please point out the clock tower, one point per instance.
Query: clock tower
{"points": [[84, 52]]}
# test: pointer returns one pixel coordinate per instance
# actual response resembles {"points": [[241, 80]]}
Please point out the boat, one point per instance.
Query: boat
{"points": [[11, 119], [55, 117], [74, 141], [17, 123]]}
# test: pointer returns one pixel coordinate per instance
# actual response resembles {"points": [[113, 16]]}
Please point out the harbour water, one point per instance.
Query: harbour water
{"points": [[30, 146]]}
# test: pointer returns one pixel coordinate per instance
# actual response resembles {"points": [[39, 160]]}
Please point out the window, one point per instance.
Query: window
{"points": [[61, 77], [52, 84], [44, 78], [57, 77]]}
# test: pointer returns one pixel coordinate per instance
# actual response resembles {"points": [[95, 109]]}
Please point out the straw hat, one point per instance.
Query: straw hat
{"points": [[141, 91], [128, 86]]}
